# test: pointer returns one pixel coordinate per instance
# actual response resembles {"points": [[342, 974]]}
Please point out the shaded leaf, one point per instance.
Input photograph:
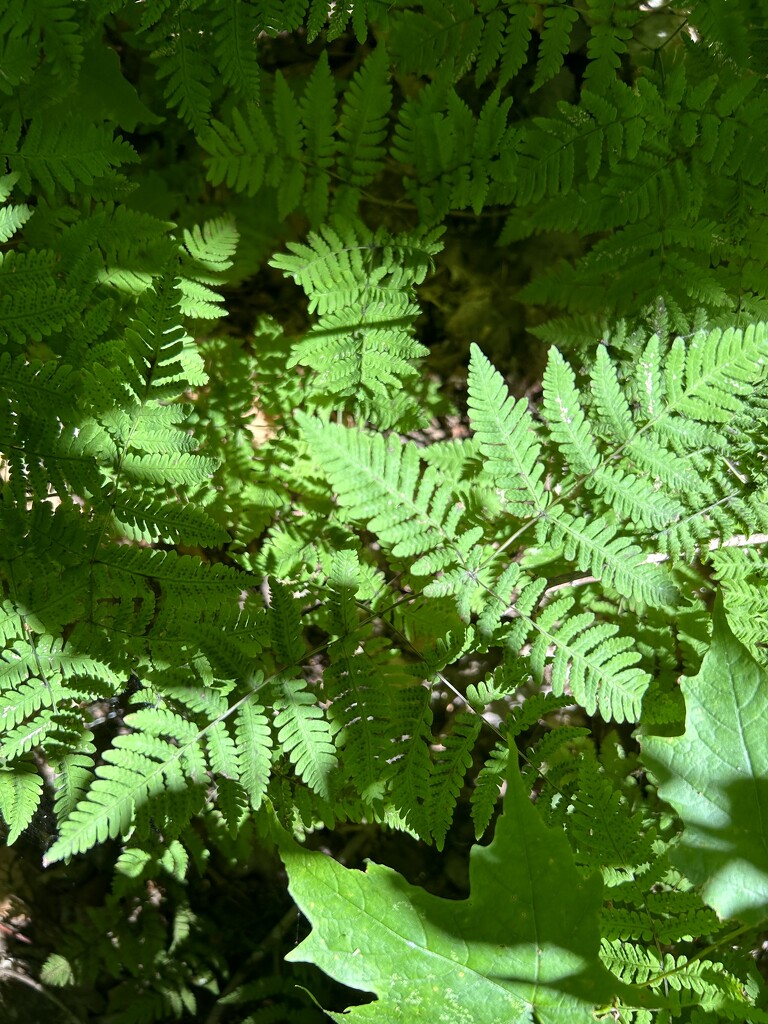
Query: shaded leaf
{"points": [[716, 777], [522, 947]]}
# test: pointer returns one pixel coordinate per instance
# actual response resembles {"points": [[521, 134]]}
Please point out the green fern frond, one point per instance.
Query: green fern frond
{"points": [[11, 217], [413, 514], [667, 917], [555, 40], [210, 250], [597, 665], [73, 775], [505, 433], [411, 765], [362, 285], [254, 747], [21, 700], [564, 414], [182, 61], [604, 830], [304, 736], [318, 116], [144, 518], [362, 121], [340, 267], [449, 768], [158, 761], [697, 982], [32, 308], [596, 547], [235, 27], [361, 699], [177, 572], [62, 40], [611, 31], [635, 500], [438, 38], [709, 378], [455, 159], [505, 40], [487, 790], [64, 153], [237, 154], [285, 624], [21, 791]]}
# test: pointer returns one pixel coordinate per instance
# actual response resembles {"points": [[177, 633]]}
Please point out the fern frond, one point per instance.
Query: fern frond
{"points": [[456, 159], [362, 285], [64, 153], [505, 433], [237, 154], [589, 658], [362, 121], [182, 60], [595, 546], [304, 736], [212, 247], [177, 572], [487, 790], [235, 27], [337, 268], [361, 694], [635, 500], [33, 308], [555, 40], [439, 38], [594, 826], [667, 917], [159, 761], [450, 766], [565, 416], [413, 514], [318, 116], [21, 790], [144, 518], [699, 981], [709, 377], [411, 765], [254, 750], [11, 217], [73, 774], [611, 31]]}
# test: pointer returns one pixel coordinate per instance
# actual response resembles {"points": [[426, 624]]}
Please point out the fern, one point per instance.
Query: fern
{"points": [[455, 159], [304, 736], [295, 146], [505, 433], [261, 580], [362, 121], [235, 28], [362, 287], [450, 766]]}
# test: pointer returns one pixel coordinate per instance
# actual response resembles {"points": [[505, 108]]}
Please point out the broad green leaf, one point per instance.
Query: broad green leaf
{"points": [[716, 777], [522, 948]]}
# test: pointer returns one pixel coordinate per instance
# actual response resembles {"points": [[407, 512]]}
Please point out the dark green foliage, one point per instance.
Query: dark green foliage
{"points": [[250, 584]]}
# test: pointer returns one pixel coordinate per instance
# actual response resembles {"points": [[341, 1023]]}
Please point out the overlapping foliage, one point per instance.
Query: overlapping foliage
{"points": [[209, 641]]}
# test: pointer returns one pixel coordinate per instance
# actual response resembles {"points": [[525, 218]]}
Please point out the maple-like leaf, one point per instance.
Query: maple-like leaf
{"points": [[716, 777], [522, 948]]}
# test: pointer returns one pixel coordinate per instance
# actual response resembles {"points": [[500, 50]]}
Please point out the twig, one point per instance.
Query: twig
{"points": [[6, 973], [739, 541]]}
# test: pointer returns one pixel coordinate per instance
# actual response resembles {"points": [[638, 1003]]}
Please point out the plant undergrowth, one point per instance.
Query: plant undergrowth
{"points": [[382, 478]]}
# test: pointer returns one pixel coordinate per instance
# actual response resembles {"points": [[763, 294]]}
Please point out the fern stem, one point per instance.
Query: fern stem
{"points": [[698, 956]]}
